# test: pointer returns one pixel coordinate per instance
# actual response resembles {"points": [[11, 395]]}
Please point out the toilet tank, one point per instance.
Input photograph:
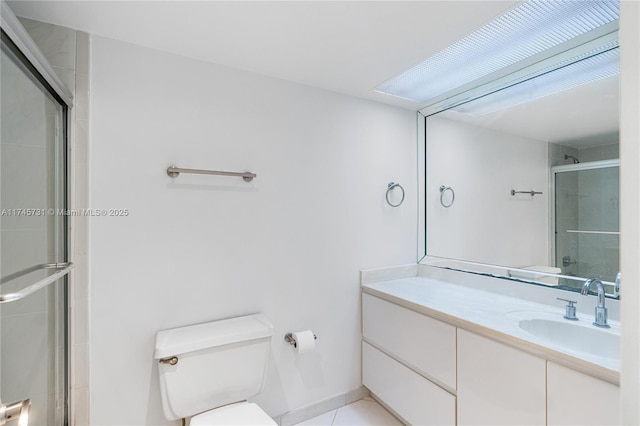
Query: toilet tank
{"points": [[218, 363]]}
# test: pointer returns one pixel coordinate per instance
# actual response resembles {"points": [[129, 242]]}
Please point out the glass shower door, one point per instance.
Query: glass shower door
{"points": [[587, 224], [33, 323]]}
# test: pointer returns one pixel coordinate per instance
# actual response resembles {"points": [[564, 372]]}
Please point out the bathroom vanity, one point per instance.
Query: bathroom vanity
{"points": [[438, 353]]}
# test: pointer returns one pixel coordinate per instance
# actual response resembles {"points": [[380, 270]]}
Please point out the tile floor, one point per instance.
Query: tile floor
{"points": [[366, 412]]}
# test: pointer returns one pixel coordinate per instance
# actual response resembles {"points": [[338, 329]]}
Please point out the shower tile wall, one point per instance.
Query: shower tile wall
{"points": [[596, 255], [567, 218], [28, 126], [68, 52], [599, 211], [598, 153], [594, 153], [601, 253], [557, 153]]}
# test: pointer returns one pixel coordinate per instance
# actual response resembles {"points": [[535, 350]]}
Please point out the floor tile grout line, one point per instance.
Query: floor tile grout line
{"points": [[335, 414]]}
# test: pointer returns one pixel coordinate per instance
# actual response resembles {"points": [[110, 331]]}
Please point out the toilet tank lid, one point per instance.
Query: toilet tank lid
{"points": [[192, 338]]}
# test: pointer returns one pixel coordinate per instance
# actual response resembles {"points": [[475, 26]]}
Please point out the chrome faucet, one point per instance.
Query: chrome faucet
{"points": [[601, 311]]}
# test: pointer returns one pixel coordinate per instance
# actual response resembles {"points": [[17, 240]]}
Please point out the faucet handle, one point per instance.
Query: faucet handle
{"points": [[616, 287], [570, 309]]}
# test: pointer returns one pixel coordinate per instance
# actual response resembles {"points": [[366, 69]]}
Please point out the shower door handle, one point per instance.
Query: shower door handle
{"points": [[15, 411]]}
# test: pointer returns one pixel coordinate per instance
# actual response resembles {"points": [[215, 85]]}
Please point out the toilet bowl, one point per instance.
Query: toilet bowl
{"points": [[208, 371], [240, 413]]}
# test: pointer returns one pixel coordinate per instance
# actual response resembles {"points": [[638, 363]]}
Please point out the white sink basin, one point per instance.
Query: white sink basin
{"points": [[576, 336]]}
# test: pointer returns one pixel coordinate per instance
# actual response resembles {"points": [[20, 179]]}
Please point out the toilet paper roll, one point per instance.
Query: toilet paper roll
{"points": [[305, 341]]}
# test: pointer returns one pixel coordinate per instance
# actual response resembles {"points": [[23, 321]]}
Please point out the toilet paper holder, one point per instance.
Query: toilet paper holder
{"points": [[292, 340]]}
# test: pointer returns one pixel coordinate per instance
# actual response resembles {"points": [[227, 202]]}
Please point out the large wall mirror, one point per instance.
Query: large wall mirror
{"points": [[523, 182]]}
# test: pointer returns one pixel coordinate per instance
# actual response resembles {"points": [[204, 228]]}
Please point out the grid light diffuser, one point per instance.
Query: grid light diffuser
{"points": [[530, 28], [581, 72]]}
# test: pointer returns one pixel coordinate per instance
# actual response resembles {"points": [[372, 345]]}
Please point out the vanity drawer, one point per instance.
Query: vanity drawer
{"points": [[411, 396], [424, 344]]}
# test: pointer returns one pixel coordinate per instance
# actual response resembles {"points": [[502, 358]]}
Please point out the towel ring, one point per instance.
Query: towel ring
{"points": [[390, 186], [444, 189]]}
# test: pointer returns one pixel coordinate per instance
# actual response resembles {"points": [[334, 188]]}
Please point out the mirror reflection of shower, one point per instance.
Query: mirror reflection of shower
{"points": [[571, 157], [587, 226]]}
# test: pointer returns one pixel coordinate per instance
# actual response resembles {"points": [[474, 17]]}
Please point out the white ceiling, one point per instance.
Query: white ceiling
{"points": [[581, 117], [344, 46]]}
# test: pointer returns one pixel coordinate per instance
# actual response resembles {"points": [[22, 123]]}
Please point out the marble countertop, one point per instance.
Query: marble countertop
{"points": [[495, 316]]}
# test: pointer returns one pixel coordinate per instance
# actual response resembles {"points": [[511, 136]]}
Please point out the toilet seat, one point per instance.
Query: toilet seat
{"points": [[240, 413]]}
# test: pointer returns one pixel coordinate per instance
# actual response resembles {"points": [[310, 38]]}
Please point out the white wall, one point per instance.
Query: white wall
{"points": [[486, 223], [630, 210], [199, 248]]}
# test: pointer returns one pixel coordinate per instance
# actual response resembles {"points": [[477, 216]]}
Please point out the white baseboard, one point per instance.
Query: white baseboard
{"points": [[310, 411]]}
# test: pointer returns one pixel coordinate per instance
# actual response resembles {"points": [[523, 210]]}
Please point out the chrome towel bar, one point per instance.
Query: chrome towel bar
{"points": [[61, 269], [175, 172], [532, 192]]}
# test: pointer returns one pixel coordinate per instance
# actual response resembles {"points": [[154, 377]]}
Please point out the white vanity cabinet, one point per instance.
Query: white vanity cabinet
{"points": [[497, 384], [574, 398], [430, 372], [409, 362]]}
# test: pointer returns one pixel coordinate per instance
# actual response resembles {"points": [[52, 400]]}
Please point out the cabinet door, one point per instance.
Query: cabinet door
{"points": [[497, 384], [575, 398]]}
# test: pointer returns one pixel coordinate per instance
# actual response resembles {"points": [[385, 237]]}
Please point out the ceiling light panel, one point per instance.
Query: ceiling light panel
{"points": [[526, 30], [589, 70]]}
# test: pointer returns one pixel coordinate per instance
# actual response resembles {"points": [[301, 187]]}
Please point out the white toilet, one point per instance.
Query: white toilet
{"points": [[207, 371]]}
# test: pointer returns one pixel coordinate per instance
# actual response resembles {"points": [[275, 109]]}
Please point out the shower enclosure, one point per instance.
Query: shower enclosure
{"points": [[33, 235], [587, 219]]}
